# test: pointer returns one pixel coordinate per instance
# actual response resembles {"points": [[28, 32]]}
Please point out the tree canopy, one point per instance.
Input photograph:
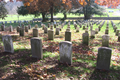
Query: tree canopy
{"points": [[3, 10]]}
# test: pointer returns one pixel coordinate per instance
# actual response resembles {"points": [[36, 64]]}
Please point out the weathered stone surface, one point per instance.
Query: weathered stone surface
{"points": [[65, 49], [48, 25], [51, 27], [29, 26], [117, 32], [23, 26], [18, 28], [85, 38], [45, 30], [11, 29], [96, 31], [50, 35], [119, 37], [35, 32], [8, 43], [36, 47], [115, 28], [84, 27], [55, 25], [91, 28], [104, 58], [68, 29], [2, 27], [106, 31], [21, 32], [92, 34], [75, 26], [57, 31], [99, 28], [36, 26], [77, 29], [67, 36], [105, 40], [26, 28]]}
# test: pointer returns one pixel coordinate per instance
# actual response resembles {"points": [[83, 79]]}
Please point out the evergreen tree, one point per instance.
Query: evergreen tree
{"points": [[3, 10]]}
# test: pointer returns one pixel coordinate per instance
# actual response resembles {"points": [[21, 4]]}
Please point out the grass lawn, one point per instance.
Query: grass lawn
{"points": [[21, 66], [59, 15]]}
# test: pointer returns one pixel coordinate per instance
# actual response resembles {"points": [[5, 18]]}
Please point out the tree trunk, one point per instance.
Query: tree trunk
{"points": [[86, 17], [51, 14], [65, 16], [43, 17]]}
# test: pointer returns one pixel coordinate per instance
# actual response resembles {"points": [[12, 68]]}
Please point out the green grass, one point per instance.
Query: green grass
{"points": [[59, 15], [84, 64]]}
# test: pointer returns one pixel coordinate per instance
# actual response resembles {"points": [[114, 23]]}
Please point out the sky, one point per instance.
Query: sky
{"points": [[6, 0]]}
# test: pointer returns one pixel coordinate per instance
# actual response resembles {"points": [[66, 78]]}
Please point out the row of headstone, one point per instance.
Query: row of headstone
{"points": [[65, 50]]}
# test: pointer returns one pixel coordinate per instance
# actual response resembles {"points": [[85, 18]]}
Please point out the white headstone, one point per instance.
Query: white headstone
{"points": [[8, 44], [65, 49]]}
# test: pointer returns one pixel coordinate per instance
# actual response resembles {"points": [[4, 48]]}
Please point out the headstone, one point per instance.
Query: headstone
{"points": [[19, 23], [29, 26], [51, 27], [8, 43], [77, 29], [57, 31], [80, 25], [115, 28], [55, 25], [26, 28], [35, 32], [11, 29], [75, 26], [48, 25], [45, 29], [36, 26], [60, 28], [83, 27], [106, 31], [21, 32], [104, 58], [65, 49], [91, 28], [68, 29], [50, 35], [92, 34], [67, 36], [96, 31], [99, 28], [23, 26], [36, 48], [42, 25], [18, 28], [85, 38], [105, 40], [119, 37], [2, 27], [117, 32]]}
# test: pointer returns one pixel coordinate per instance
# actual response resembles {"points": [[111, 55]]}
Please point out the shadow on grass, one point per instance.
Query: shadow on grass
{"points": [[20, 57], [112, 74]]}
